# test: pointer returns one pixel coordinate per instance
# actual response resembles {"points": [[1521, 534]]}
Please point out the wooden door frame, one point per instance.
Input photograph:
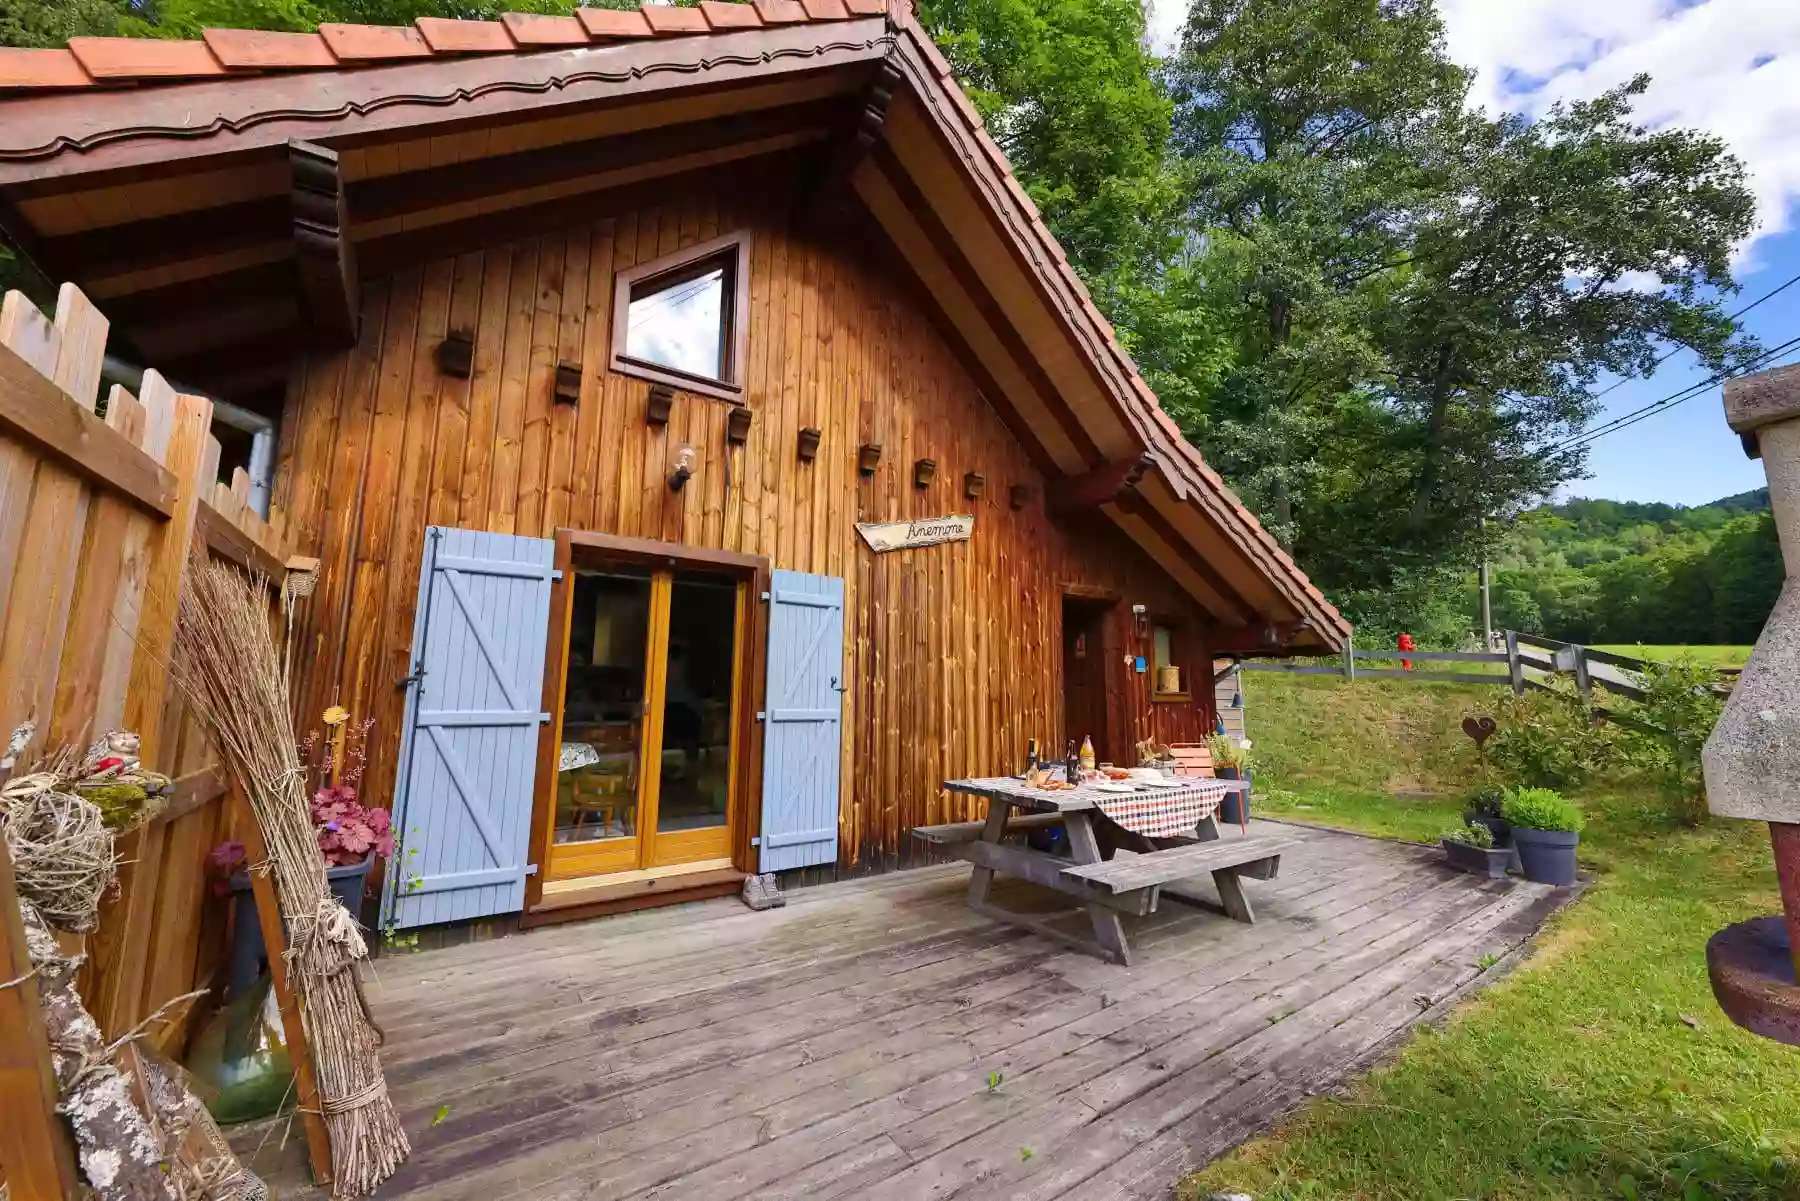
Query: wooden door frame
{"points": [[1110, 615], [748, 673]]}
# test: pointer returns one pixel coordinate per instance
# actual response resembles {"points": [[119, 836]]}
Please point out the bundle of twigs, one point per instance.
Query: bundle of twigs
{"points": [[227, 663]]}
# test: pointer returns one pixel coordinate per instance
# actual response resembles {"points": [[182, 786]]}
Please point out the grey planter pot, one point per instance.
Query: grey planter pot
{"points": [[1502, 832], [247, 957], [1477, 861], [1546, 856]]}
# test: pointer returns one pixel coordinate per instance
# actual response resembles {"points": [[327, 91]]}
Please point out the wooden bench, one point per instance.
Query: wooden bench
{"points": [[1228, 860], [958, 832]]}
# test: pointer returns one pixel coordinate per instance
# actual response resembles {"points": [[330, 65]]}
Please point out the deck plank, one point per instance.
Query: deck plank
{"points": [[839, 1047]]}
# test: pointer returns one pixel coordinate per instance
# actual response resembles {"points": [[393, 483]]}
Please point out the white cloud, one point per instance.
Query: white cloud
{"points": [[1731, 67]]}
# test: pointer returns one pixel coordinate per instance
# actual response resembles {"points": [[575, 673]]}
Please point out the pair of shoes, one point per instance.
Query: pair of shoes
{"points": [[762, 892]]}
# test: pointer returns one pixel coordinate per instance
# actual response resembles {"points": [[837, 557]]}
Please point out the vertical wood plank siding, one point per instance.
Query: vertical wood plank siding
{"points": [[953, 653]]}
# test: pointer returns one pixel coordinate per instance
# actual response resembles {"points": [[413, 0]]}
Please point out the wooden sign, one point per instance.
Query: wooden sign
{"points": [[927, 531]]}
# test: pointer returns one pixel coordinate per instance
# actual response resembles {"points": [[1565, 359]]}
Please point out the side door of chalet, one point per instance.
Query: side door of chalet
{"points": [[803, 718], [468, 758]]}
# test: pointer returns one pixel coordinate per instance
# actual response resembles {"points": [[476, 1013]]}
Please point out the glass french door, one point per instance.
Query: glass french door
{"points": [[648, 755]]}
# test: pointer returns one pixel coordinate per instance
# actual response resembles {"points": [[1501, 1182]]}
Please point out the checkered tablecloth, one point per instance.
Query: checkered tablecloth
{"points": [[1163, 813]]}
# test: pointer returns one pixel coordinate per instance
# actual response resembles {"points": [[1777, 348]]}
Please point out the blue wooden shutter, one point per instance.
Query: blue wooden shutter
{"points": [[468, 759], [804, 720]]}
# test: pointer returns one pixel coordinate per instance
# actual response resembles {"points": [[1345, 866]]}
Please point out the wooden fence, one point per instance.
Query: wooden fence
{"points": [[1529, 661], [98, 519]]}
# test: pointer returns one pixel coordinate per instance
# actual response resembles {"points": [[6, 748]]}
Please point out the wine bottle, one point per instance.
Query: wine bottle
{"points": [[1031, 755], [1071, 764]]}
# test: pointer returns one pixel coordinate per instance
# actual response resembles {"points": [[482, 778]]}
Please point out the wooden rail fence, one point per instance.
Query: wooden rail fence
{"points": [[98, 518]]}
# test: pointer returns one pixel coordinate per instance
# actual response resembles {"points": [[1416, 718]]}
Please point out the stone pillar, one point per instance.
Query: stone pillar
{"points": [[1752, 759]]}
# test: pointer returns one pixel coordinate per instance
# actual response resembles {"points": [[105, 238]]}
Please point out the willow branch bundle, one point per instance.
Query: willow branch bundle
{"points": [[227, 663]]}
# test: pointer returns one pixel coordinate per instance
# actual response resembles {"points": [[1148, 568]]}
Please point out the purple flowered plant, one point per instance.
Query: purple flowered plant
{"points": [[347, 830]]}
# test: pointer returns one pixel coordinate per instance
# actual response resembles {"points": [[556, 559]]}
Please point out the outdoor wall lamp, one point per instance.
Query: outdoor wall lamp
{"points": [[974, 484], [1020, 495], [809, 444], [1140, 620], [868, 456]]}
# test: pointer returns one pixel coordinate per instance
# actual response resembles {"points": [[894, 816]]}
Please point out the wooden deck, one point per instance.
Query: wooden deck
{"points": [[841, 1047]]}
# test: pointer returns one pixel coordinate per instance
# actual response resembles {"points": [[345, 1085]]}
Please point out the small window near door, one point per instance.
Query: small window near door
{"points": [[1167, 682], [681, 319]]}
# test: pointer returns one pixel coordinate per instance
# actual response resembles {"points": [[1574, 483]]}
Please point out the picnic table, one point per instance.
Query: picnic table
{"points": [[1104, 884]]}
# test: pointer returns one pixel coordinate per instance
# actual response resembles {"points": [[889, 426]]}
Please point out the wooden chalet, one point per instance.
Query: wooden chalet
{"points": [[706, 448]]}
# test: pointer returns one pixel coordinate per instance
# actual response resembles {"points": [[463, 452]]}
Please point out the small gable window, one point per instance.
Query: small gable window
{"points": [[682, 319]]}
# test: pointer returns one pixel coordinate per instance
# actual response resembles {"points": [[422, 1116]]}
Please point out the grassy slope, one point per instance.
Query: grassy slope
{"points": [[1602, 1068]]}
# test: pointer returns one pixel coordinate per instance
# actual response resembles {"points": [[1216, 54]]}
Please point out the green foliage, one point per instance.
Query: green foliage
{"points": [[1226, 752], [1681, 704], [1471, 834], [1542, 809], [1488, 800], [1598, 571], [1546, 739]]}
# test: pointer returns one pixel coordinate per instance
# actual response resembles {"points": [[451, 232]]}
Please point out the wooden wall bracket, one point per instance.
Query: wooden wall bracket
{"points": [[830, 185], [1097, 487], [323, 252]]}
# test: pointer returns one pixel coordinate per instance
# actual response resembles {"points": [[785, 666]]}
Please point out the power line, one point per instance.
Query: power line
{"points": [[1680, 396], [1664, 357]]}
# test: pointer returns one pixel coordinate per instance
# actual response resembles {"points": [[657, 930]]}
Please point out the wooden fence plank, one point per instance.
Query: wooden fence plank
{"points": [[192, 459], [36, 1154]]}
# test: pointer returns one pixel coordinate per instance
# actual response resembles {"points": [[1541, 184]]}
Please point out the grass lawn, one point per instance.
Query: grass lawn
{"points": [[1600, 1068], [1719, 656]]}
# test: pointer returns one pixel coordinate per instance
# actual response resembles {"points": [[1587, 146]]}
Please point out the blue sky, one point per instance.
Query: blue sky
{"points": [[1728, 66]]}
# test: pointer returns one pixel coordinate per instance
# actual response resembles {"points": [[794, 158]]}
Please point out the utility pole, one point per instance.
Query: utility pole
{"points": [[1487, 608]]}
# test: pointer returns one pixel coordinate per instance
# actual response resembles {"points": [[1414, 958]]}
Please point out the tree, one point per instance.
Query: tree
{"points": [[1421, 297]]}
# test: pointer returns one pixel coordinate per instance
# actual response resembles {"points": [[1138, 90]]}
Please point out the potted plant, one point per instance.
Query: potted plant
{"points": [[1470, 848], [1486, 808], [1545, 830], [1231, 762]]}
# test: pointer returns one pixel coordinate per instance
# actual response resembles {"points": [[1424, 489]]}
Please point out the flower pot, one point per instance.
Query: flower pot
{"points": [[247, 957], [1477, 861], [1234, 810], [1502, 832], [1546, 856]]}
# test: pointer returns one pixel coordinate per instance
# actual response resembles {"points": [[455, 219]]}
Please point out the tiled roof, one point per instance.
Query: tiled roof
{"points": [[112, 62]]}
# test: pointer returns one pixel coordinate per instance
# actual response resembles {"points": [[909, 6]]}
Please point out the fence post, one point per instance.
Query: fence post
{"points": [[1350, 658], [1514, 669], [1584, 683], [36, 1152]]}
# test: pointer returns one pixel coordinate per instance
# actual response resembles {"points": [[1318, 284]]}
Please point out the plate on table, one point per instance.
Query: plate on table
{"points": [[1114, 786], [1163, 783]]}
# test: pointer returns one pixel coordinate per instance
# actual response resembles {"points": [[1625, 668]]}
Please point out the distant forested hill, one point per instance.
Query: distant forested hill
{"points": [[1602, 571]]}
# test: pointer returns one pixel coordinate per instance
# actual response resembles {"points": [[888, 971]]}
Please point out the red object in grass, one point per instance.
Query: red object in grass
{"points": [[1407, 644]]}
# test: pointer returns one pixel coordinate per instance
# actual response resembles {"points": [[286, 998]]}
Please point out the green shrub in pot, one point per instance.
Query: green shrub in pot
{"points": [[1470, 848], [1546, 828]]}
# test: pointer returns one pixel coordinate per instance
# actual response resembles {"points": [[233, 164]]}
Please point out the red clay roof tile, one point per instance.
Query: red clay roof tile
{"points": [[144, 58], [866, 8], [365, 43], [538, 29], [826, 10], [780, 12], [668, 21], [445, 35], [614, 23], [722, 15], [258, 49], [21, 68]]}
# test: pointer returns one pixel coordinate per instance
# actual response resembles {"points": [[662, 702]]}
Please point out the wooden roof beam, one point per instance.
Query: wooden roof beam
{"points": [[829, 188], [1075, 494], [330, 291], [1238, 610], [926, 217]]}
